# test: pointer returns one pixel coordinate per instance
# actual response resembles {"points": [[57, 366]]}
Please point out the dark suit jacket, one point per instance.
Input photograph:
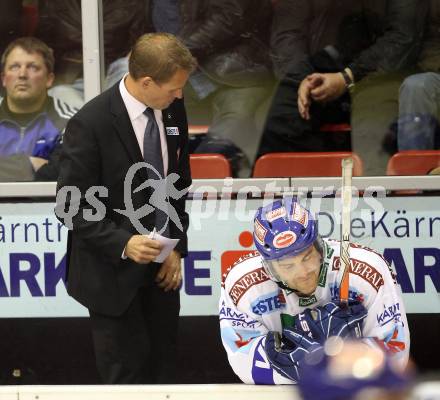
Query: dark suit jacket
{"points": [[99, 148]]}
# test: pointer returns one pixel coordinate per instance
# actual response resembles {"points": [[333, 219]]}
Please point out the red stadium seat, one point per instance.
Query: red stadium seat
{"points": [[413, 162], [279, 165], [337, 136], [198, 129], [342, 128], [209, 166]]}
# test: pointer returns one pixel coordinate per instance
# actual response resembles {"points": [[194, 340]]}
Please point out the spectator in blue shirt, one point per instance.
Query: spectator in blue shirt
{"points": [[31, 122]]}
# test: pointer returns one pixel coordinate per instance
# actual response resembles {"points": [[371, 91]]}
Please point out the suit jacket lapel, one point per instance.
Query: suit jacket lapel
{"points": [[124, 128]]}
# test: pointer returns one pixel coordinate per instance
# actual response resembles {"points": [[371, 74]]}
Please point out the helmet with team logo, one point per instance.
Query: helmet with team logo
{"points": [[284, 229]]}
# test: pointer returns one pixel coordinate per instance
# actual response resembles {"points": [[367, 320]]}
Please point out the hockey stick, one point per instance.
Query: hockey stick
{"points": [[347, 167]]}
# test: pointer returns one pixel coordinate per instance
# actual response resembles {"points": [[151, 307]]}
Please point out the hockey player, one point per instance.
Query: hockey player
{"points": [[290, 286]]}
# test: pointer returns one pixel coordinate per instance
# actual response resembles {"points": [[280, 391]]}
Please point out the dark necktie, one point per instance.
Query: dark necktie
{"points": [[153, 156], [152, 147]]}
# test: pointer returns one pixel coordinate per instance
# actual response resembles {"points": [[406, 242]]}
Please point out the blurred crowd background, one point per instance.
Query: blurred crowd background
{"points": [[375, 66]]}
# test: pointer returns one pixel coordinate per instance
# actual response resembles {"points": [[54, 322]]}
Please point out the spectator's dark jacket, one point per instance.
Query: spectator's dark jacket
{"points": [[373, 35], [41, 138], [60, 26], [10, 19], [229, 38], [301, 28], [398, 27], [430, 55]]}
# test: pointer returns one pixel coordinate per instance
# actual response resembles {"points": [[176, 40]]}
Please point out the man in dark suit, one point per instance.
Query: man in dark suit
{"points": [[133, 301]]}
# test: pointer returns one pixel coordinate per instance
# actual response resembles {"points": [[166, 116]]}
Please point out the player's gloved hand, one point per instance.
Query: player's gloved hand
{"points": [[285, 357], [331, 320]]}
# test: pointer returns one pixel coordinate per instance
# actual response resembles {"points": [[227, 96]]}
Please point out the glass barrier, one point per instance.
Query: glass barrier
{"points": [[283, 76], [42, 85]]}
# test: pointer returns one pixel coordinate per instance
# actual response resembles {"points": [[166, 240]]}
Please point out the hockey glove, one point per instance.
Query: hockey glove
{"points": [[331, 320], [287, 358]]}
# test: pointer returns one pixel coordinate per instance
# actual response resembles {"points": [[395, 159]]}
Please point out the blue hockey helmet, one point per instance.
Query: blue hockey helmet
{"points": [[284, 229]]}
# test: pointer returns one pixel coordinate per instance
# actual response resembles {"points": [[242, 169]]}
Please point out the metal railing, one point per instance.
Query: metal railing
{"points": [[150, 392], [256, 186]]}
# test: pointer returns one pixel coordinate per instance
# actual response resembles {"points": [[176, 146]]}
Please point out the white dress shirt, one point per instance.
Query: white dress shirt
{"points": [[139, 121]]}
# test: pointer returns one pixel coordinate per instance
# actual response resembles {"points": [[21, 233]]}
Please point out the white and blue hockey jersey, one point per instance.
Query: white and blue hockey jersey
{"points": [[251, 305]]}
